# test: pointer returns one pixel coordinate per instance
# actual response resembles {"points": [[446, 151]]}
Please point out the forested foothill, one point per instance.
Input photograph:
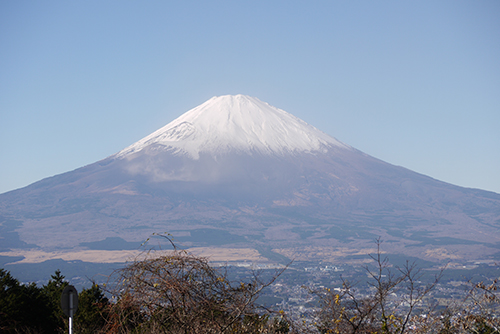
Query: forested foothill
{"points": [[181, 293]]}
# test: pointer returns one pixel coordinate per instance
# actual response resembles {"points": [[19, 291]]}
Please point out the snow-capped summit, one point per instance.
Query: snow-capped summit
{"points": [[236, 123]]}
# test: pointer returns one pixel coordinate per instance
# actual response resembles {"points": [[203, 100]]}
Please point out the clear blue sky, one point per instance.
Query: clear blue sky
{"points": [[414, 83]]}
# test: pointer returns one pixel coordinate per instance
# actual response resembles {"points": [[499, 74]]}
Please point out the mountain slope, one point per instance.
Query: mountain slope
{"points": [[238, 172]]}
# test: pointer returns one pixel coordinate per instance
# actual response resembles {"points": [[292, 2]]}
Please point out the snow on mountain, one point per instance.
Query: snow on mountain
{"points": [[236, 123]]}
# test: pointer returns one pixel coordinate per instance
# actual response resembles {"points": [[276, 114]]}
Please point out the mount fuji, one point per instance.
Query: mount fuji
{"points": [[238, 173]]}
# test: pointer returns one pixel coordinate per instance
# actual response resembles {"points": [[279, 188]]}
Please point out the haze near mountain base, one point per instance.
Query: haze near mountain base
{"points": [[237, 173]]}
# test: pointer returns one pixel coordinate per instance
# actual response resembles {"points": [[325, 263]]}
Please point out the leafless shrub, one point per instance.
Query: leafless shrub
{"points": [[181, 293], [388, 309]]}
